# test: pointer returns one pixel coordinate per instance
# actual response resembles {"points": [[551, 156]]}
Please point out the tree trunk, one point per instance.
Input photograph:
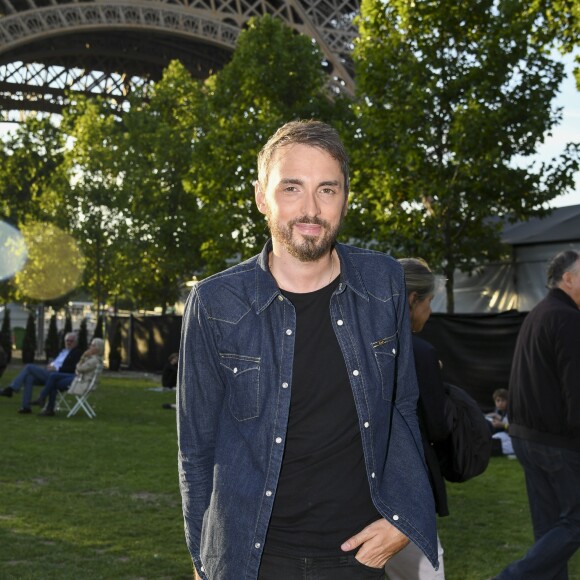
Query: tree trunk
{"points": [[449, 282]]}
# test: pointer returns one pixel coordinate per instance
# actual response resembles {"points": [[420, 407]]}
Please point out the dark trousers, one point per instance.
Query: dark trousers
{"points": [[553, 486], [323, 568]]}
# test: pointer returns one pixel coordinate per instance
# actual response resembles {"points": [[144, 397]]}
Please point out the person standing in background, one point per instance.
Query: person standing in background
{"points": [[544, 409], [410, 563]]}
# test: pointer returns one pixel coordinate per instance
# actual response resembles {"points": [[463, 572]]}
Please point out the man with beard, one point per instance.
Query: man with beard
{"points": [[299, 448]]}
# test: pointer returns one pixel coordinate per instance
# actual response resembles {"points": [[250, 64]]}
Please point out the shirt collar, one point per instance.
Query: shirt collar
{"points": [[267, 289]]}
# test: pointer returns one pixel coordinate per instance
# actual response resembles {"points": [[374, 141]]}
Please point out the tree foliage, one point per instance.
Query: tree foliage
{"points": [[450, 96], [166, 219], [274, 76], [452, 101], [29, 158], [562, 21], [92, 205]]}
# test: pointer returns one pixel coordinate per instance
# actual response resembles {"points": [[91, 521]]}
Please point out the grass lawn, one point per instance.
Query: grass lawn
{"points": [[92, 499]]}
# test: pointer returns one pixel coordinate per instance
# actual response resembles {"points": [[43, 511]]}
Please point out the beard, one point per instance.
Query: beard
{"points": [[310, 248]]}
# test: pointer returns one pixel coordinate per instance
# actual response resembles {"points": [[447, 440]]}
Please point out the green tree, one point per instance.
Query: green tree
{"points": [[275, 76], [83, 335], [92, 205], [98, 327], [66, 329], [115, 344], [166, 220], [562, 18], [29, 158], [29, 340], [6, 335], [51, 344], [450, 96]]}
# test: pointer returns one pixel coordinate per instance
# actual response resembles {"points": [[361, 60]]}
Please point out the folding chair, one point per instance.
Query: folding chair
{"points": [[80, 401]]}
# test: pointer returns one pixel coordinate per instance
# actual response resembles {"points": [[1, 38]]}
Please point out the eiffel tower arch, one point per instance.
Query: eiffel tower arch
{"points": [[48, 47]]}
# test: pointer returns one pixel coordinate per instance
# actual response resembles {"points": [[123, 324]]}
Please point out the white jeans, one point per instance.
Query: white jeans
{"points": [[411, 564]]}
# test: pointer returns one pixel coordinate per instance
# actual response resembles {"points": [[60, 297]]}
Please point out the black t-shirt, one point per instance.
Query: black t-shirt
{"points": [[323, 495]]}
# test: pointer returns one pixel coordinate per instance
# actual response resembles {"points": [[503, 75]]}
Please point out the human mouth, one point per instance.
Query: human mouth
{"points": [[308, 229]]}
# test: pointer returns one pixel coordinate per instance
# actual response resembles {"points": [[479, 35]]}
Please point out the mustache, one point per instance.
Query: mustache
{"points": [[309, 220]]}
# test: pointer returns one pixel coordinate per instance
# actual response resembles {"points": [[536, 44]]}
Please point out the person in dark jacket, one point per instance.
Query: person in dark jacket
{"points": [[544, 404], [32, 375], [410, 563], [169, 376]]}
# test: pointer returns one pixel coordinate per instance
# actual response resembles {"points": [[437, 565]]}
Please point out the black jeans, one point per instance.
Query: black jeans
{"points": [[323, 568]]}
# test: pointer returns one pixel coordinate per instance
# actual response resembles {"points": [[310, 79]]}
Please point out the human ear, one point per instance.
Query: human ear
{"points": [[260, 197]]}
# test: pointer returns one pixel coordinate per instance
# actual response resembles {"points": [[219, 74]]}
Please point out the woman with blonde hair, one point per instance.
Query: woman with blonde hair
{"points": [[91, 363]]}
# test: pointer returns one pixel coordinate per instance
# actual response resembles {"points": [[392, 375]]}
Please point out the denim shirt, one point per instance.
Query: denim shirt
{"points": [[235, 379]]}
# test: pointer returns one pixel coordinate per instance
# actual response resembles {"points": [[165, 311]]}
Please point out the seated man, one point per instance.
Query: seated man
{"points": [[31, 374]]}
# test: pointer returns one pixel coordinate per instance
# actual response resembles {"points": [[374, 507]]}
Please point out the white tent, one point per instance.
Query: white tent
{"points": [[520, 283]]}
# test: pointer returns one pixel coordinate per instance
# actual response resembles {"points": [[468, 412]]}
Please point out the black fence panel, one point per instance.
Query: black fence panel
{"points": [[153, 339], [476, 350]]}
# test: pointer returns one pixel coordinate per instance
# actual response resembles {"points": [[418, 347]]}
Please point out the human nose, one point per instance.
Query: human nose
{"points": [[310, 206]]}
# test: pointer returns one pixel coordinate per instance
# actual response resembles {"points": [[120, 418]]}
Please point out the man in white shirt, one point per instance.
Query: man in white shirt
{"points": [[31, 375]]}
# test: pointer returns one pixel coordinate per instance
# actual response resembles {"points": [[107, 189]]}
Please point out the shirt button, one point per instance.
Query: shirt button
{"points": [[355, 373], [257, 545], [395, 517], [202, 569], [394, 351], [367, 424], [284, 385], [373, 475], [278, 440], [268, 493], [235, 370], [289, 332], [339, 322], [280, 297]]}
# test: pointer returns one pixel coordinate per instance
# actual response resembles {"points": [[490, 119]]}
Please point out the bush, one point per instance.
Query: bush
{"points": [[99, 327], [67, 328], [51, 343], [83, 336], [29, 343], [115, 343], [6, 335]]}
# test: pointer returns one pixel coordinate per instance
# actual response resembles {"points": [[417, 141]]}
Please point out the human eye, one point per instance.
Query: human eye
{"points": [[327, 191]]}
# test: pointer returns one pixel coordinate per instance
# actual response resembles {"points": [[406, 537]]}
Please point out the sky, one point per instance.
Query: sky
{"points": [[567, 131]]}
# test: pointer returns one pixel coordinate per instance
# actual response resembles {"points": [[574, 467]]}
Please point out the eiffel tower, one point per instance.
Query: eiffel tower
{"points": [[48, 47]]}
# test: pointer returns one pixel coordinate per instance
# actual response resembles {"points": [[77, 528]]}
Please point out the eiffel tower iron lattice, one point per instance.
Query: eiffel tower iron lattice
{"points": [[48, 47]]}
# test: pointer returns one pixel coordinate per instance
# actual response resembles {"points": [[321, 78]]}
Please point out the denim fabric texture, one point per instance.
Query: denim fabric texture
{"points": [[553, 485], [55, 382], [235, 378], [29, 377]]}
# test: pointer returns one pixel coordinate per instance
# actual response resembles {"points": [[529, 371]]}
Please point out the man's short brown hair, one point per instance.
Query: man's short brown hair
{"points": [[311, 133]]}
